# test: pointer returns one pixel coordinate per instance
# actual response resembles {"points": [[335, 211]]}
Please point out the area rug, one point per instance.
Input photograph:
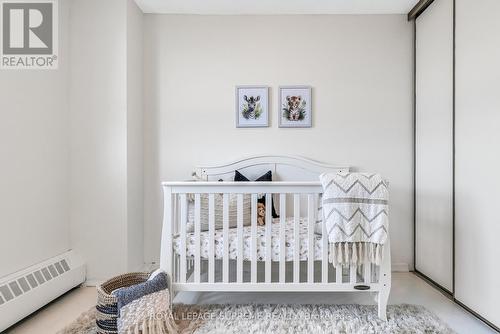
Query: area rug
{"points": [[334, 319]]}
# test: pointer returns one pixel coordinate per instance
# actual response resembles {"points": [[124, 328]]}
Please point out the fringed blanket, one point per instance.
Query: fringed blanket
{"points": [[148, 314], [355, 211], [145, 308]]}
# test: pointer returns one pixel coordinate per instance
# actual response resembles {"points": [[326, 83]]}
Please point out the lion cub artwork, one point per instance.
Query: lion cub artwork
{"points": [[295, 110], [261, 214], [295, 107]]}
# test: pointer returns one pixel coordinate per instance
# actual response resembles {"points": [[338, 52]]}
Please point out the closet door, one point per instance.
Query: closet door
{"points": [[434, 143], [477, 159]]}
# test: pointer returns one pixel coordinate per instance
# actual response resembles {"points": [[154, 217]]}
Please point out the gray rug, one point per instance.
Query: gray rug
{"points": [[291, 319]]}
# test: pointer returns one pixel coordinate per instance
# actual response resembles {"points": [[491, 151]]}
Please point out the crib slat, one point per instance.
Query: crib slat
{"points": [[310, 233], [197, 229], [166, 256], [282, 237], [269, 225], [326, 249], [225, 237], [367, 273], [296, 249], [183, 204], [211, 238], [176, 213], [176, 269], [253, 272], [338, 274], [239, 217], [353, 272]]}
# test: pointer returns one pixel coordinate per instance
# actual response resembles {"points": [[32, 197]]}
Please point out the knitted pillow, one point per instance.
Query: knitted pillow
{"points": [[145, 307], [233, 213]]}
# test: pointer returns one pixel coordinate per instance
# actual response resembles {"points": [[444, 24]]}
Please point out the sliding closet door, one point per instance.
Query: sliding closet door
{"points": [[477, 185], [434, 143]]}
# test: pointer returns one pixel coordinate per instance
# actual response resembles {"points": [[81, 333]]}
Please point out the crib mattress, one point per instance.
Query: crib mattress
{"points": [[261, 242]]}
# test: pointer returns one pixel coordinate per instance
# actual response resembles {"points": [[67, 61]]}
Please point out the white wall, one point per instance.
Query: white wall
{"points": [[106, 209], [99, 135], [135, 142], [34, 205], [360, 68]]}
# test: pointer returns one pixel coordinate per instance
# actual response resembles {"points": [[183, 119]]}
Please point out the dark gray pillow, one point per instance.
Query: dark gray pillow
{"points": [[238, 177]]}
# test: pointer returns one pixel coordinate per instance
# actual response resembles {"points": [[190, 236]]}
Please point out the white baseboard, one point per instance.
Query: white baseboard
{"points": [[149, 267], [400, 268], [146, 267], [92, 282]]}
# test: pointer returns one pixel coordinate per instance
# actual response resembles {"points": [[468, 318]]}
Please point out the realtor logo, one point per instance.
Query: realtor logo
{"points": [[29, 34]]}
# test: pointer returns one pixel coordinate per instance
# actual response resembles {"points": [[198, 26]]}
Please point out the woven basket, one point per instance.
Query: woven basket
{"points": [[107, 304]]}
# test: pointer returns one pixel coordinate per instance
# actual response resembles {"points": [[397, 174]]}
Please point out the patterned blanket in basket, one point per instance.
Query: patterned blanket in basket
{"points": [[145, 308]]}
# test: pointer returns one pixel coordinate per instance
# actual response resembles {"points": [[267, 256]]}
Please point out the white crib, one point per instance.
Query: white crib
{"points": [[215, 268]]}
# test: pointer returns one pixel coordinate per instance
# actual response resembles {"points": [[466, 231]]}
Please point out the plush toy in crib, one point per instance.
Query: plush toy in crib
{"points": [[261, 214]]}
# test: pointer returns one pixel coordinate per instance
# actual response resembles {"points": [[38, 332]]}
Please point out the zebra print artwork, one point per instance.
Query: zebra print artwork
{"points": [[252, 106]]}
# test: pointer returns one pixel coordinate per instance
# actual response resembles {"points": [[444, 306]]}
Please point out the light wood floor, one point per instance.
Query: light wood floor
{"points": [[406, 288]]}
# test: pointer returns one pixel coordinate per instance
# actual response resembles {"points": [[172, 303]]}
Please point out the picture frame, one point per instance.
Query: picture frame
{"points": [[252, 106], [295, 107]]}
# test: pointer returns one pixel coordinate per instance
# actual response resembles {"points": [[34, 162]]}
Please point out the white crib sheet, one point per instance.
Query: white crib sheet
{"points": [[261, 242]]}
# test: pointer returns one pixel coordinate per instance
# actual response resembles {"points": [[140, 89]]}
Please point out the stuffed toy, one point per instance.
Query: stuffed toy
{"points": [[261, 214]]}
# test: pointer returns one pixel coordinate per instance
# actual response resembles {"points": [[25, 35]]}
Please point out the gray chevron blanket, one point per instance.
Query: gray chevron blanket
{"points": [[355, 211]]}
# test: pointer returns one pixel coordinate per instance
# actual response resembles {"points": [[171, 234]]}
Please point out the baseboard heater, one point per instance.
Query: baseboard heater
{"points": [[25, 291]]}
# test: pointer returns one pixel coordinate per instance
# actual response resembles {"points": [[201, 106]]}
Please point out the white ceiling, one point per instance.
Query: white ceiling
{"points": [[228, 7]]}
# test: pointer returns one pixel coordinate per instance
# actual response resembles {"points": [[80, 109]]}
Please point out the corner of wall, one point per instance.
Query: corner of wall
{"points": [[135, 140]]}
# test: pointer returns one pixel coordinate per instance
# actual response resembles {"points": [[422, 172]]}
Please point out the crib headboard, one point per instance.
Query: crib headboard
{"points": [[284, 168]]}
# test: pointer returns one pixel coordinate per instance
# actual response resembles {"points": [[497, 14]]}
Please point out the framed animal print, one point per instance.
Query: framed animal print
{"points": [[252, 106], [295, 107]]}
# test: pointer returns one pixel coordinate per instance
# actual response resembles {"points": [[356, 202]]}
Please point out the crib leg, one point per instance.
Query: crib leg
{"points": [[171, 299], [383, 297], [385, 282]]}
